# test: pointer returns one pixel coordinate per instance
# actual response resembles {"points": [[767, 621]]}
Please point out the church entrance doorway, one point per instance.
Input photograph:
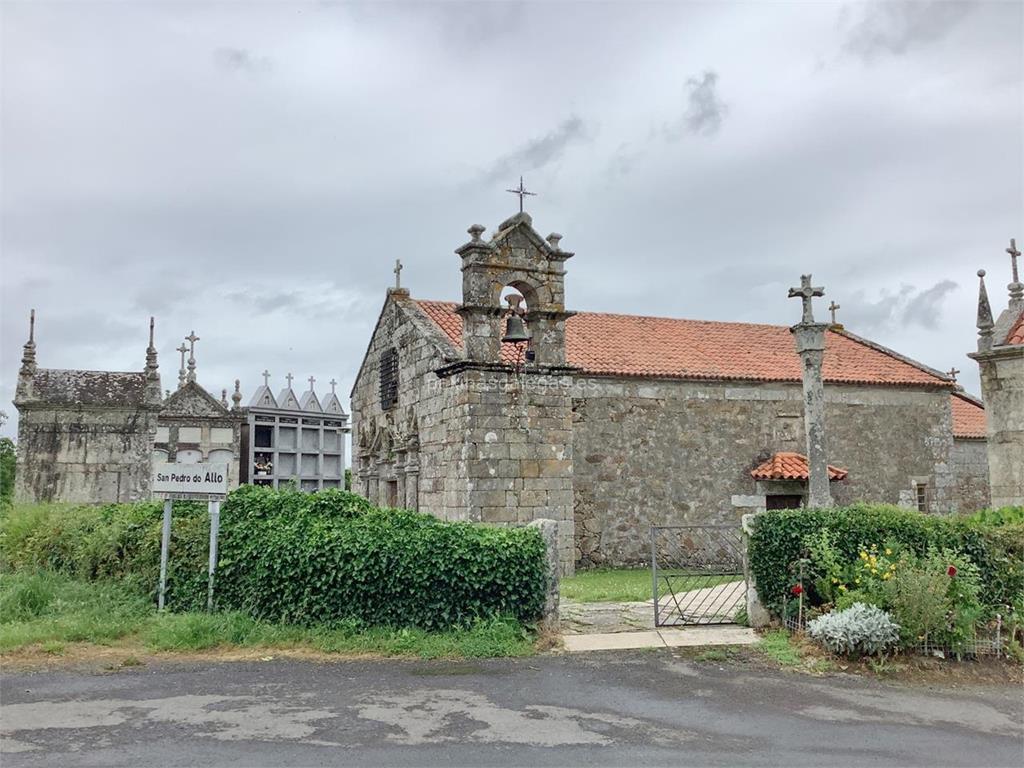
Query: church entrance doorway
{"points": [[697, 574]]}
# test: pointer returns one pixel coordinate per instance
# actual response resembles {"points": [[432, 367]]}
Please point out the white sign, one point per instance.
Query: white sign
{"points": [[192, 479]]}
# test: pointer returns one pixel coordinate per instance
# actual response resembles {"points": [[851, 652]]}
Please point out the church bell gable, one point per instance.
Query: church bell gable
{"points": [[516, 256]]}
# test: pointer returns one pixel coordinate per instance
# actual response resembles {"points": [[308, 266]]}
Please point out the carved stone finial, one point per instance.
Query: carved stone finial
{"points": [[805, 293], [224, 398], [236, 396], [985, 323], [28, 357], [151, 362], [475, 230], [553, 240]]}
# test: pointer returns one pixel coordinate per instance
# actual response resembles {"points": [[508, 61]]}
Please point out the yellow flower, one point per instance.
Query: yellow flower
{"points": [[857, 580], [886, 576], [842, 587], [863, 555], [835, 580], [888, 551]]}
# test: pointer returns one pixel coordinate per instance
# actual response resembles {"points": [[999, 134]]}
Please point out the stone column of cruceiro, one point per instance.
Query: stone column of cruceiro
{"points": [[810, 345]]}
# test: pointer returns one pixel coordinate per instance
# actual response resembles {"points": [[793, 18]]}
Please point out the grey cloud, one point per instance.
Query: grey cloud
{"points": [[907, 306], [896, 27], [540, 152], [925, 308], [242, 60], [705, 110]]}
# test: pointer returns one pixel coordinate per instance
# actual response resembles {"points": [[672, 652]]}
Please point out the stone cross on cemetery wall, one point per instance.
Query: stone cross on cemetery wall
{"points": [[810, 345]]}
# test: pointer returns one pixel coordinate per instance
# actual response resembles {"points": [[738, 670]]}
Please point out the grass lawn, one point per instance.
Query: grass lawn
{"points": [[46, 611], [627, 585]]}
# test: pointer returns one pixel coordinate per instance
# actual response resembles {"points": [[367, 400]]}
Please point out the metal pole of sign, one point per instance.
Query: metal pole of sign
{"points": [[214, 507], [165, 543]]}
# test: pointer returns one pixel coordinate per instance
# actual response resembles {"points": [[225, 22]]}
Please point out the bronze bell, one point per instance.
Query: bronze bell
{"points": [[515, 331]]}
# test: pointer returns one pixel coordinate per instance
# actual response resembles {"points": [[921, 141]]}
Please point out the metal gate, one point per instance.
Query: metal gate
{"points": [[697, 574]]}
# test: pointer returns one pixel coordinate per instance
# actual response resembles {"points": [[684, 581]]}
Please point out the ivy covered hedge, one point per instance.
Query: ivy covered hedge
{"points": [[295, 557], [335, 557], [780, 539]]}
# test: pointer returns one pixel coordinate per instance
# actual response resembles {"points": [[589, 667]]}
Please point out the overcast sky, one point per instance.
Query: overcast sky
{"points": [[252, 170]]}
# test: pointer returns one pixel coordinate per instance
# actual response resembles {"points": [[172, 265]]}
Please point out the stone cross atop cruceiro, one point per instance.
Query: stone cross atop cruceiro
{"points": [[810, 345], [806, 292]]}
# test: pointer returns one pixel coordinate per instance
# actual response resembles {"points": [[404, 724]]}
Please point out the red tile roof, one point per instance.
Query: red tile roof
{"points": [[629, 345], [791, 466], [1016, 335], [968, 418]]}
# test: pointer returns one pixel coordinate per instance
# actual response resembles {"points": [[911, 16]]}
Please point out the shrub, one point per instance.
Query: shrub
{"points": [[782, 537], [391, 567], [295, 557], [862, 630]]}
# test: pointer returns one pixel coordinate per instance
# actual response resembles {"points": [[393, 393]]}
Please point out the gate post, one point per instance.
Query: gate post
{"points": [[757, 614], [654, 573]]}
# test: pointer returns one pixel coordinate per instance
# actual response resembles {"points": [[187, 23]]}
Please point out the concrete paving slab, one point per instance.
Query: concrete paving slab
{"points": [[691, 637], [613, 641]]}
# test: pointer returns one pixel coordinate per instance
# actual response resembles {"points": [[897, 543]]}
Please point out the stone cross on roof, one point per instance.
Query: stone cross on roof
{"points": [[333, 384], [806, 292], [521, 191], [181, 371], [289, 378], [1016, 288], [952, 372], [398, 274], [266, 377], [832, 307], [311, 381], [28, 359], [192, 339]]}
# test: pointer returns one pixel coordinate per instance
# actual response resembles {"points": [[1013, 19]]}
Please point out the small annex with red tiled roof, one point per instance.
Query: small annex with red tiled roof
{"points": [[786, 465], [631, 345], [968, 418]]}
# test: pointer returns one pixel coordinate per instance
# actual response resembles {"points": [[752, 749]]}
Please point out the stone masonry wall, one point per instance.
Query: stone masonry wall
{"points": [[412, 446], [1002, 386], [80, 455], [970, 464], [511, 454], [676, 453]]}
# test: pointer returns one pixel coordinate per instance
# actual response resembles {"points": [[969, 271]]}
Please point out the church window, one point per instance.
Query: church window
{"points": [[388, 379]]}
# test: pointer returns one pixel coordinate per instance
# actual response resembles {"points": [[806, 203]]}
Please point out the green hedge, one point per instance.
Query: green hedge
{"points": [[778, 542], [296, 557], [394, 567]]}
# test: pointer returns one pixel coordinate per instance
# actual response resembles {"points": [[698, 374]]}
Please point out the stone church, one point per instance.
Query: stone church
{"points": [[611, 423]]}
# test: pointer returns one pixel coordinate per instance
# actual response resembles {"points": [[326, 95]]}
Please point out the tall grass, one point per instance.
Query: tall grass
{"points": [[48, 609]]}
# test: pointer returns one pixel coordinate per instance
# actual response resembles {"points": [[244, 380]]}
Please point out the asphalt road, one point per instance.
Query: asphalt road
{"points": [[623, 708]]}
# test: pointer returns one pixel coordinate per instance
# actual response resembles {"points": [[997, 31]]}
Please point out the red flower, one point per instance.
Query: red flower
{"points": [[798, 589], [951, 571]]}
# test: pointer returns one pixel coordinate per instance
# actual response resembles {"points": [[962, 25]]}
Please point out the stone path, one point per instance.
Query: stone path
{"points": [[630, 625], [711, 604]]}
